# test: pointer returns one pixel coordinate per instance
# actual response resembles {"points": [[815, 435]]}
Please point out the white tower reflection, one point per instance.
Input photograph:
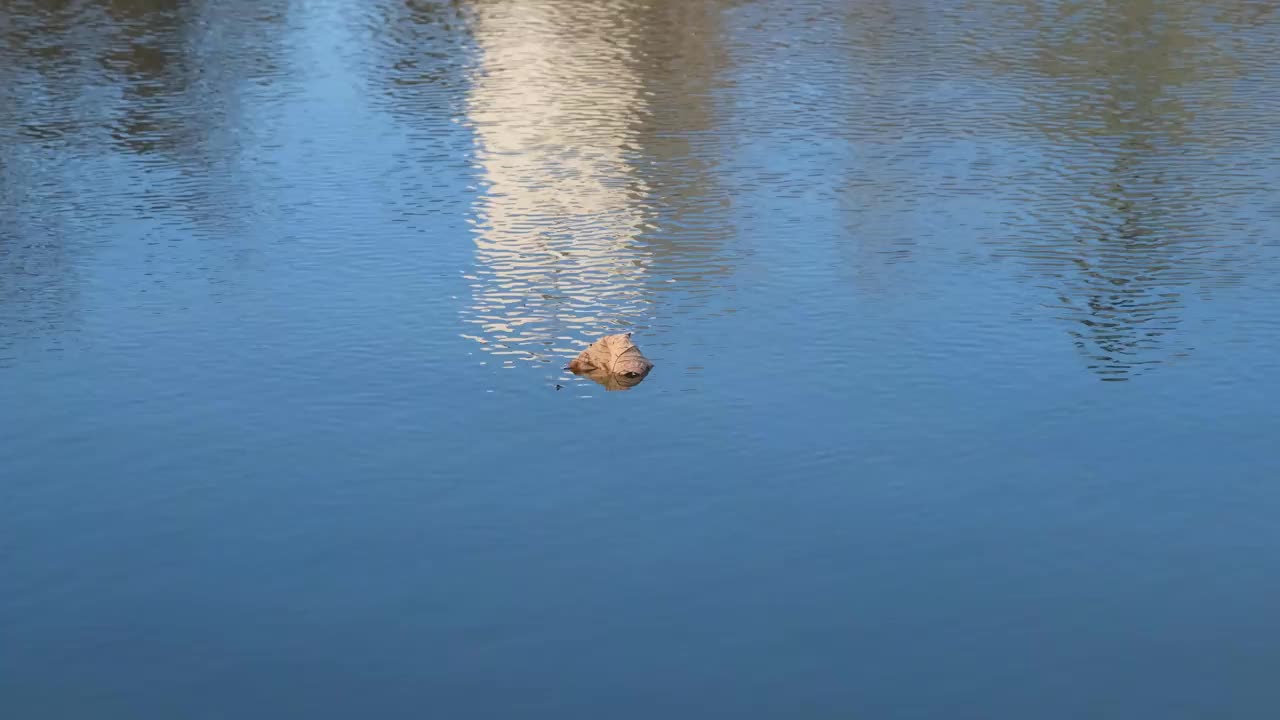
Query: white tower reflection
{"points": [[554, 104]]}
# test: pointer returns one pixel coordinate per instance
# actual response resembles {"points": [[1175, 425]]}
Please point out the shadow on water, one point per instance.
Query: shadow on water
{"points": [[610, 381]]}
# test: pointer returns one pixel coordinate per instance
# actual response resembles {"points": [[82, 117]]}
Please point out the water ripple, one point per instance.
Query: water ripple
{"points": [[597, 207]]}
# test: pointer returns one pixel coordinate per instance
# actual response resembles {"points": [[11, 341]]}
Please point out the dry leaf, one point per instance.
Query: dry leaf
{"points": [[613, 361]]}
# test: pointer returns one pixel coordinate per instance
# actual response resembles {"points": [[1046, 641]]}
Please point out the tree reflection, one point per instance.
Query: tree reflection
{"points": [[104, 100], [1121, 199]]}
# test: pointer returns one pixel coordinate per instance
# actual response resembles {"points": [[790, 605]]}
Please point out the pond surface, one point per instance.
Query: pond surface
{"points": [[965, 316]]}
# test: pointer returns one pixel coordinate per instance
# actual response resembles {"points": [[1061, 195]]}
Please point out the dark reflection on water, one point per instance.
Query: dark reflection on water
{"points": [[123, 125], [1137, 202], [287, 290]]}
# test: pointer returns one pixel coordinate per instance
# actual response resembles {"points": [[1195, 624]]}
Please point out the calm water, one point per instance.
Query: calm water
{"points": [[966, 319]]}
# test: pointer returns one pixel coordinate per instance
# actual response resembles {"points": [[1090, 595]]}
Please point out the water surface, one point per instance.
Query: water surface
{"points": [[965, 318]]}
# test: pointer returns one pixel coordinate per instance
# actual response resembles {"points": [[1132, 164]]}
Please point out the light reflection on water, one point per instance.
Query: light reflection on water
{"points": [[554, 104], [571, 124]]}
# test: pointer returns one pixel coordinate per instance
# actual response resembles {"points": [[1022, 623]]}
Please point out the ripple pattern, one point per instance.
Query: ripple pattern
{"points": [[584, 220]]}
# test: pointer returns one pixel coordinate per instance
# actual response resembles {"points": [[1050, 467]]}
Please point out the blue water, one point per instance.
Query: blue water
{"points": [[965, 321]]}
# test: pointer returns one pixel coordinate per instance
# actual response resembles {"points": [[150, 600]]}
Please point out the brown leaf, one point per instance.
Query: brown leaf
{"points": [[613, 361]]}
